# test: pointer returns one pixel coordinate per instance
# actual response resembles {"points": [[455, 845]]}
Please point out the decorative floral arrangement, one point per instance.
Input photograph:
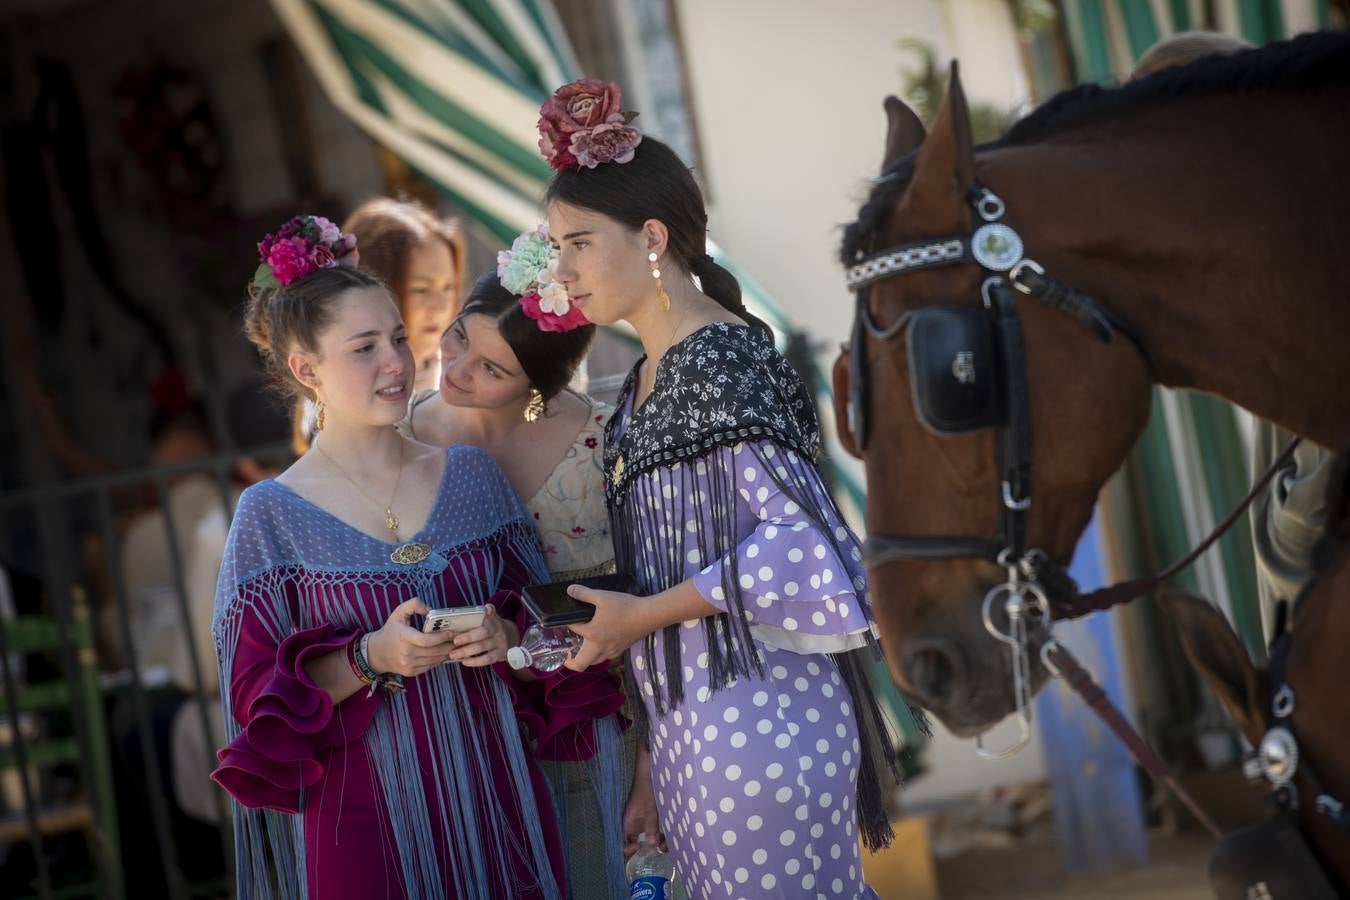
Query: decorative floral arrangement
{"points": [[530, 269], [301, 247], [582, 126]]}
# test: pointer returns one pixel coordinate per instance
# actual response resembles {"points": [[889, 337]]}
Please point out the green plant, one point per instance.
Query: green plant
{"points": [[925, 84]]}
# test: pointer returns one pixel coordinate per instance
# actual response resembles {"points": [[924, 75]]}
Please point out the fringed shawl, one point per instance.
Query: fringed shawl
{"points": [[726, 408], [296, 577]]}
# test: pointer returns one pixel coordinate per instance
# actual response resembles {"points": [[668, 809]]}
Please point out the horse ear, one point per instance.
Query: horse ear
{"points": [[945, 169], [839, 377], [904, 132], [1221, 660]]}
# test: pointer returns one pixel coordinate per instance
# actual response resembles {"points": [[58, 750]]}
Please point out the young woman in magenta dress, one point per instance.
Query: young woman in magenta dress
{"points": [[764, 756], [369, 759]]}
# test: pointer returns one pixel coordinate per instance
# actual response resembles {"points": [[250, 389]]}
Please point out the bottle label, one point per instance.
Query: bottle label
{"points": [[650, 887]]}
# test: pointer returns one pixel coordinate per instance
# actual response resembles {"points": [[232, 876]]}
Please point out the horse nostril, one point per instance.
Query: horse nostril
{"points": [[934, 668]]}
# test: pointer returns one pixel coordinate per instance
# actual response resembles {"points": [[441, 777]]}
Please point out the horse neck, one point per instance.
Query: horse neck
{"points": [[1192, 224], [1317, 671]]}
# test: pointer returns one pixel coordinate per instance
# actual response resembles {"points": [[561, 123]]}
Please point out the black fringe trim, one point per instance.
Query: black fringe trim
{"points": [[879, 765]]}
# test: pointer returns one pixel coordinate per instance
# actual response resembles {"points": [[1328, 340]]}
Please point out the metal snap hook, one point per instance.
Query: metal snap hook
{"points": [[1016, 271], [1047, 649], [986, 286], [1012, 502]]}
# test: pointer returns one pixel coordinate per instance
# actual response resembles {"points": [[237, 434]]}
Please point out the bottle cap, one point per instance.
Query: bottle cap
{"points": [[518, 658]]}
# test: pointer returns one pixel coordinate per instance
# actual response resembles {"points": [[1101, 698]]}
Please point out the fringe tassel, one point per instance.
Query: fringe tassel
{"points": [[611, 795], [878, 750]]}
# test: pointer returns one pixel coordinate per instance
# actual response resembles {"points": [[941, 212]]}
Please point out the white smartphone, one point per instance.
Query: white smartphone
{"points": [[456, 619]]}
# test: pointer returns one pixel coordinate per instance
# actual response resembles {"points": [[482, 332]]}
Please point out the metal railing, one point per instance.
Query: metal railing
{"points": [[46, 525]]}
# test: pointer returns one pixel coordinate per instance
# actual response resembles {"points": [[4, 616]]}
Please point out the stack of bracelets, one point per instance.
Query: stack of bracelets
{"points": [[359, 660]]}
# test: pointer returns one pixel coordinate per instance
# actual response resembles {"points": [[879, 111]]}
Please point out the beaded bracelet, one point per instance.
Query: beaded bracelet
{"points": [[390, 681], [351, 659]]}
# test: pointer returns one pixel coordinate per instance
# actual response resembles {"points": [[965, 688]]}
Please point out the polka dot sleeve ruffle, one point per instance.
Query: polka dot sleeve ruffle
{"points": [[801, 582]]}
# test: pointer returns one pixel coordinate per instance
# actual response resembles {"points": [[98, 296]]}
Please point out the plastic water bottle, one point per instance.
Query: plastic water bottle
{"points": [[649, 872], [544, 649]]}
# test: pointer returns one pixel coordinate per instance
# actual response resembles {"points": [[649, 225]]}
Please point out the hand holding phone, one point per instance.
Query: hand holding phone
{"points": [[454, 618]]}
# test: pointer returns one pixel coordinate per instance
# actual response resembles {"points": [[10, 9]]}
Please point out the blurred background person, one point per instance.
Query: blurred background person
{"points": [[420, 258]]}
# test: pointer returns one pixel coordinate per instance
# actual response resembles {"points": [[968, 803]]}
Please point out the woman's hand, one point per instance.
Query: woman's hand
{"points": [[399, 648], [621, 620], [640, 815], [486, 644]]}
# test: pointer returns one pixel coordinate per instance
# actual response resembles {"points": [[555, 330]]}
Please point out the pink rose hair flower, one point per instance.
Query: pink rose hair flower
{"points": [[301, 247], [289, 259], [611, 142], [533, 306], [583, 125]]}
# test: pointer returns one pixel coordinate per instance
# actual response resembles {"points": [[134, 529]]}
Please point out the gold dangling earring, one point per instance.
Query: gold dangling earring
{"points": [[319, 418], [661, 296], [534, 406]]}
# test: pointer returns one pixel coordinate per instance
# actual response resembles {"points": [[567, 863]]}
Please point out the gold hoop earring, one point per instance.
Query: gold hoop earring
{"points": [[661, 296], [320, 419], [535, 406]]}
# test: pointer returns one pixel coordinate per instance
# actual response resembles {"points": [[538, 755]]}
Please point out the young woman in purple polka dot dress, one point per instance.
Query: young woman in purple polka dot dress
{"points": [[760, 769]]}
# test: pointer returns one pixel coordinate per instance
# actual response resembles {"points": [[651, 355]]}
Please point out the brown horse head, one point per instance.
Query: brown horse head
{"points": [[1089, 402], [1202, 207]]}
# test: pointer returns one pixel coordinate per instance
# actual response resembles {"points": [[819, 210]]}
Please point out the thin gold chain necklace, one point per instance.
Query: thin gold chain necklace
{"points": [[390, 520], [652, 367]]}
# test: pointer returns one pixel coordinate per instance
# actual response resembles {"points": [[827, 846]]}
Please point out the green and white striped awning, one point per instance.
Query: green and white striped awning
{"points": [[453, 88], [1106, 37]]}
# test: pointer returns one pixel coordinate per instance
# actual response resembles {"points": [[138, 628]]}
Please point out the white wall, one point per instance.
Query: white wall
{"points": [[787, 96]]}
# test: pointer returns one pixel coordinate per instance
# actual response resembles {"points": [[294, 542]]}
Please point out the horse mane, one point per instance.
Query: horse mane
{"points": [[1310, 60]]}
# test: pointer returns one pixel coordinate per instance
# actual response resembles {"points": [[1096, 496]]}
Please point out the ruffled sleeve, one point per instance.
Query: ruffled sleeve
{"points": [[800, 577], [287, 720]]}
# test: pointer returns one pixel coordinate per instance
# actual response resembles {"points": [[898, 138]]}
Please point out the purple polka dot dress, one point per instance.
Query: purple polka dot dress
{"points": [[755, 767]]}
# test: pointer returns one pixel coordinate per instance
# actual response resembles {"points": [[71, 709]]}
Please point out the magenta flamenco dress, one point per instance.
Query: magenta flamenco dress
{"points": [[432, 792]]}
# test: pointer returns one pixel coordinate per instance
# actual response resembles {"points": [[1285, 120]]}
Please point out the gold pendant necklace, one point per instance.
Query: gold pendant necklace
{"points": [[390, 520]]}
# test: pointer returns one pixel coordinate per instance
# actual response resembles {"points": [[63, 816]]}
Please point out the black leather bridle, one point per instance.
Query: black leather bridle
{"points": [[998, 249]]}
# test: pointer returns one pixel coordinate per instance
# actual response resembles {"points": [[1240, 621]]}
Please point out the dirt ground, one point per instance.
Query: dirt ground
{"points": [[1177, 871]]}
